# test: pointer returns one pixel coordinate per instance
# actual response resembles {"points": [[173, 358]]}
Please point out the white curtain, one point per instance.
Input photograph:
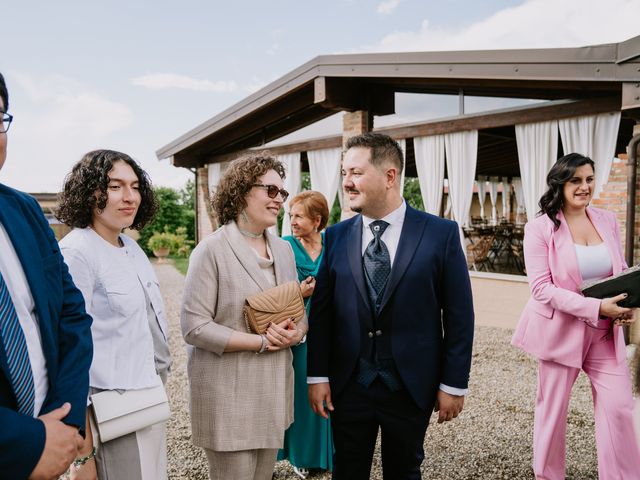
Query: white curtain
{"points": [[506, 194], [324, 170], [429, 155], [537, 152], [594, 136], [292, 184], [214, 174], [519, 193], [447, 210], [493, 195], [481, 183], [462, 155], [403, 146]]}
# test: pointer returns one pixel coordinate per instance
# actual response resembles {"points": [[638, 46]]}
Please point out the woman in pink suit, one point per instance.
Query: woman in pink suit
{"points": [[570, 243]]}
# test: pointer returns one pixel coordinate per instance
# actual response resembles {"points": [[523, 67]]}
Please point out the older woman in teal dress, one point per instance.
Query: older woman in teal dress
{"points": [[308, 443]]}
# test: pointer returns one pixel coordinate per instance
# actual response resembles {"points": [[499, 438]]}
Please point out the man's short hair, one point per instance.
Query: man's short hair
{"points": [[4, 93], [383, 149]]}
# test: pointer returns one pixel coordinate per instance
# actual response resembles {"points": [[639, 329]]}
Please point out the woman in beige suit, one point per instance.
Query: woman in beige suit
{"points": [[241, 384]]}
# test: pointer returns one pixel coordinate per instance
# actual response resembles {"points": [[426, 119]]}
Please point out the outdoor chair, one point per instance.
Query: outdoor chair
{"points": [[479, 253]]}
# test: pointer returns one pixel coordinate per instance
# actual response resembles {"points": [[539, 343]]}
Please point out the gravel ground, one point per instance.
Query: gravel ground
{"points": [[490, 440]]}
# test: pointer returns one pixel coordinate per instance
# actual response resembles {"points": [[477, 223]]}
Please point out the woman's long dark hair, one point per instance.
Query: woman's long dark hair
{"points": [[561, 172]]}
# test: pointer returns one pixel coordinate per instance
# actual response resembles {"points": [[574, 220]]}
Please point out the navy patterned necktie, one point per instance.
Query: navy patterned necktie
{"points": [[377, 262], [15, 348]]}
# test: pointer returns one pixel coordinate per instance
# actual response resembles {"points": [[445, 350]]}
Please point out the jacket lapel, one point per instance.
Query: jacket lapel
{"points": [[26, 248], [566, 250], [245, 255], [600, 224], [278, 259], [354, 252], [412, 230]]}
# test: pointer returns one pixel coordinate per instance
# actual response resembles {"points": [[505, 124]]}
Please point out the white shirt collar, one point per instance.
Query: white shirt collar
{"points": [[393, 219]]}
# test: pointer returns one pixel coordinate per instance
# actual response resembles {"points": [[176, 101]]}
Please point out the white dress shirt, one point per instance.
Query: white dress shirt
{"points": [[25, 307], [112, 280], [391, 238]]}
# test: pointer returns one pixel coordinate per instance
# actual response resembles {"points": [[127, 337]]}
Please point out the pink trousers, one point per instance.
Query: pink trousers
{"points": [[618, 450]]}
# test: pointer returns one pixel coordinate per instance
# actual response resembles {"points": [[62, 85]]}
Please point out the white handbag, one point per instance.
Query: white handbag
{"points": [[120, 413]]}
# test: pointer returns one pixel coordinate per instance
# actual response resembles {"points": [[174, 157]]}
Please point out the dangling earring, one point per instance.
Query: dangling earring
{"points": [[245, 217], [315, 229]]}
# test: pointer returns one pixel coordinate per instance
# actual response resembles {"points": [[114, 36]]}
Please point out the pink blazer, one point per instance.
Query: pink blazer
{"points": [[552, 325]]}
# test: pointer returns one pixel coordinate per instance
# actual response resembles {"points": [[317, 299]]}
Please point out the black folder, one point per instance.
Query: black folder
{"points": [[625, 282]]}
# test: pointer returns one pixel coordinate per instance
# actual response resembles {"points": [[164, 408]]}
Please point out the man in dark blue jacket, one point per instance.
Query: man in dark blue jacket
{"points": [[45, 340], [391, 323]]}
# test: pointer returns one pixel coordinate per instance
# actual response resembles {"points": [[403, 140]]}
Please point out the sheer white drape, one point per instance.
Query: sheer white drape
{"points": [[429, 155], [324, 170], [519, 194], [462, 155], [493, 195], [292, 184], [214, 173], [481, 184], [403, 146], [537, 152], [593, 136], [506, 194]]}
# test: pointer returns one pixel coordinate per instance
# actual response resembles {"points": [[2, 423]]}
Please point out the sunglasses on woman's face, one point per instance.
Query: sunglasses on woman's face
{"points": [[273, 191]]}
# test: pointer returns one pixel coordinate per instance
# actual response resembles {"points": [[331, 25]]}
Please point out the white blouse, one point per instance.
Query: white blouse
{"points": [[112, 280], [594, 261]]}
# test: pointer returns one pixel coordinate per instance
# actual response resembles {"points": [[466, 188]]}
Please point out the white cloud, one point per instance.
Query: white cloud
{"points": [[532, 24], [387, 7], [276, 35], [58, 119], [163, 81]]}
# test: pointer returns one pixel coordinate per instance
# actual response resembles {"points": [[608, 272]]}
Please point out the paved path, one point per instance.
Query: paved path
{"points": [[490, 440]]}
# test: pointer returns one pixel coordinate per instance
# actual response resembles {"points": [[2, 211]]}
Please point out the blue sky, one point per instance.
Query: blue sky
{"points": [[135, 75]]}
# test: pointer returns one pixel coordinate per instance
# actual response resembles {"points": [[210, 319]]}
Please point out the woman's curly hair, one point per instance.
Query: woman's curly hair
{"points": [[86, 187], [230, 197]]}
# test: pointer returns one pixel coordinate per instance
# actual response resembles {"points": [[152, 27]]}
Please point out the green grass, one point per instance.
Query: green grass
{"points": [[181, 264]]}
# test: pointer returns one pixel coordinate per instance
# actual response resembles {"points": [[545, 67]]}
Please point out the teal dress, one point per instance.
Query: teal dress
{"points": [[308, 443]]}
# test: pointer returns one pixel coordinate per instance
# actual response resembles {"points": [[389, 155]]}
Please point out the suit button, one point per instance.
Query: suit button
{"points": [[370, 334], [148, 284], [378, 333]]}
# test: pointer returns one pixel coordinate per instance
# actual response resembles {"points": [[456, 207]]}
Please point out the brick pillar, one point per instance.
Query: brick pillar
{"points": [[613, 196], [353, 123], [206, 220], [614, 199]]}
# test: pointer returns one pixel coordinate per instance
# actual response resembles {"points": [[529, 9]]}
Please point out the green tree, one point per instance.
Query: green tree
{"points": [[412, 193], [176, 210]]}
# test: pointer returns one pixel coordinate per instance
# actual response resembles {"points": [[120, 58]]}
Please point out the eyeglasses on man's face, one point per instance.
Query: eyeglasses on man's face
{"points": [[6, 122], [273, 191]]}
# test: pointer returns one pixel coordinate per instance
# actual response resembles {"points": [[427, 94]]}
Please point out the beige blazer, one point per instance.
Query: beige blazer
{"points": [[238, 400]]}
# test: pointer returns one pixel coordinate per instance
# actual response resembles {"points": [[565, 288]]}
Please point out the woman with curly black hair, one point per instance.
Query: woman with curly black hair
{"points": [[106, 192], [241, 403]]}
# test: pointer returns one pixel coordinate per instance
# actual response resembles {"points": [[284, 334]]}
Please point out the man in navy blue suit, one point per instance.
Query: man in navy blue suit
{"points": [[45, 340], [391, 324]]}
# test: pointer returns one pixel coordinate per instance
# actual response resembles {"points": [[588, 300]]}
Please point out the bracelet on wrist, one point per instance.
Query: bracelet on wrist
{"points": [[263, 345], [79, 462]]}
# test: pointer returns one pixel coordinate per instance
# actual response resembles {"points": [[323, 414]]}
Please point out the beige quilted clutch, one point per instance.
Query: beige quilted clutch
{"points": [[274, 305]]}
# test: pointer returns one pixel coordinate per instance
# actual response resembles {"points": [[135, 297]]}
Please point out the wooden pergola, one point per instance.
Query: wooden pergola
{"points": [[569, 82]]}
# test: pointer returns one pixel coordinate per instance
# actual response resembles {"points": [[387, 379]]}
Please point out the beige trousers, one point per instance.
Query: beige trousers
{"points": [[242, 465]]}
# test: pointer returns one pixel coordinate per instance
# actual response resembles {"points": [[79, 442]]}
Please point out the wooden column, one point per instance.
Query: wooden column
{"points": [[206, 220]]}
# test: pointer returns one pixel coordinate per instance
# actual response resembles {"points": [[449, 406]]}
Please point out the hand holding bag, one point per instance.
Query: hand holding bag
{"points": [[273, 305], [118, 413]]}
